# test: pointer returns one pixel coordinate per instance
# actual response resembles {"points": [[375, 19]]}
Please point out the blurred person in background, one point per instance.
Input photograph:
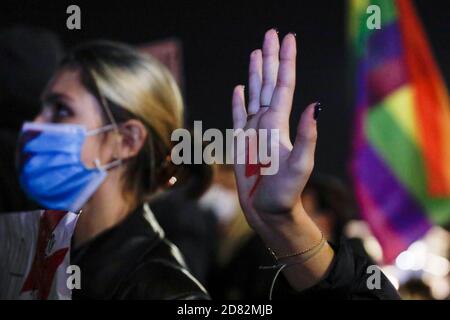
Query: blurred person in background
{"points": [[28, 58], [232, 229], [222, 199]]}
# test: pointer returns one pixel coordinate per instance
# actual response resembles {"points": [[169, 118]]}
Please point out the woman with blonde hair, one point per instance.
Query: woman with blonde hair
{"points": [[100, 147]]}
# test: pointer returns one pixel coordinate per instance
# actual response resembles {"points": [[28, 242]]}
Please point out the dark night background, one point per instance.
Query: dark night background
{"points": [[217, 37]]}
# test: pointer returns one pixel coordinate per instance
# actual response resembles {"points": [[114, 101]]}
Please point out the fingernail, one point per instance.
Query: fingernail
{"points": [[317, 109], [276, 30], [293, 33]]}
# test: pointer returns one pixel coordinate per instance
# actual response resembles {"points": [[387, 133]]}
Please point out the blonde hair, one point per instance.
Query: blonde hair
{"points": [[134, 85]]}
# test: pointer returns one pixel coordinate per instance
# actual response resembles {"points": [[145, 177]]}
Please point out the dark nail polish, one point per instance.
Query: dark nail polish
{"points": [[317, 109]]}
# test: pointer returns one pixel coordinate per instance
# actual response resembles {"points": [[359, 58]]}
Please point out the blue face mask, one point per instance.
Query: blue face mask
{"points": [[50, 168]]}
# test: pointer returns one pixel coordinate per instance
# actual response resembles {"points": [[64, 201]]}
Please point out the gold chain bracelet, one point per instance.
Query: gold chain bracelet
{"points": [[319, 244]]}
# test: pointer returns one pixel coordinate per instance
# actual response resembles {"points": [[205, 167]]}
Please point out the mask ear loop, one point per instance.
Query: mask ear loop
{"points": [[113, 126], [99, 130], [107, 166]]}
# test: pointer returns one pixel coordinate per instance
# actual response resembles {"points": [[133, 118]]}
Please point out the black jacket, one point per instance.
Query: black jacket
{"points": [[348, 278], [351, 277], [133, 260]]}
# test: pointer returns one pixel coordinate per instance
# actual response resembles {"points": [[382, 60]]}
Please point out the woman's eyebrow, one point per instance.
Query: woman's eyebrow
{"points": [[54, 97]]}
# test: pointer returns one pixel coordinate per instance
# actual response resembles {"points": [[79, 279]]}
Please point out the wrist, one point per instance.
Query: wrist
{"points": [[291, 233], [295, 232]]}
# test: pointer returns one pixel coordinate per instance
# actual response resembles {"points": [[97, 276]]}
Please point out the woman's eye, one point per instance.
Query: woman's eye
{"points": [[61, 112]]}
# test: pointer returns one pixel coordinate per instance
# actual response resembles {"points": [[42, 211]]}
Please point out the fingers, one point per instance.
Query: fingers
{"points": [[271, 79], [285, 86], [301, 158], [238, 106], [255, 81], [270, 51]]}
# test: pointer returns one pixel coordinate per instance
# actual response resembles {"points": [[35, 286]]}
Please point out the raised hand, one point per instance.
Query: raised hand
{"points": [[271, 90], [272, 203]]}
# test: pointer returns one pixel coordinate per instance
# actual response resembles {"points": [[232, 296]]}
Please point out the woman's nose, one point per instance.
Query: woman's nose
{"points": [[40, 118]]}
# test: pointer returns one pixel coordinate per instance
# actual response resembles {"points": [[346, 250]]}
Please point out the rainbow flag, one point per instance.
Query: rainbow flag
{"points": [[401, 148]]}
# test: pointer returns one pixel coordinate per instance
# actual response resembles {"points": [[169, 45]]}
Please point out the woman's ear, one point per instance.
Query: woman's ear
{"points": [[134, 135]]}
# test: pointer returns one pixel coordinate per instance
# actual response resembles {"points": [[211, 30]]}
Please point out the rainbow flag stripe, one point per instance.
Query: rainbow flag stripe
{"points": [[401, 145]]}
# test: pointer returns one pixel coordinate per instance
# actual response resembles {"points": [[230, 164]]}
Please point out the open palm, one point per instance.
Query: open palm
{"points": [[271, 84]]}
